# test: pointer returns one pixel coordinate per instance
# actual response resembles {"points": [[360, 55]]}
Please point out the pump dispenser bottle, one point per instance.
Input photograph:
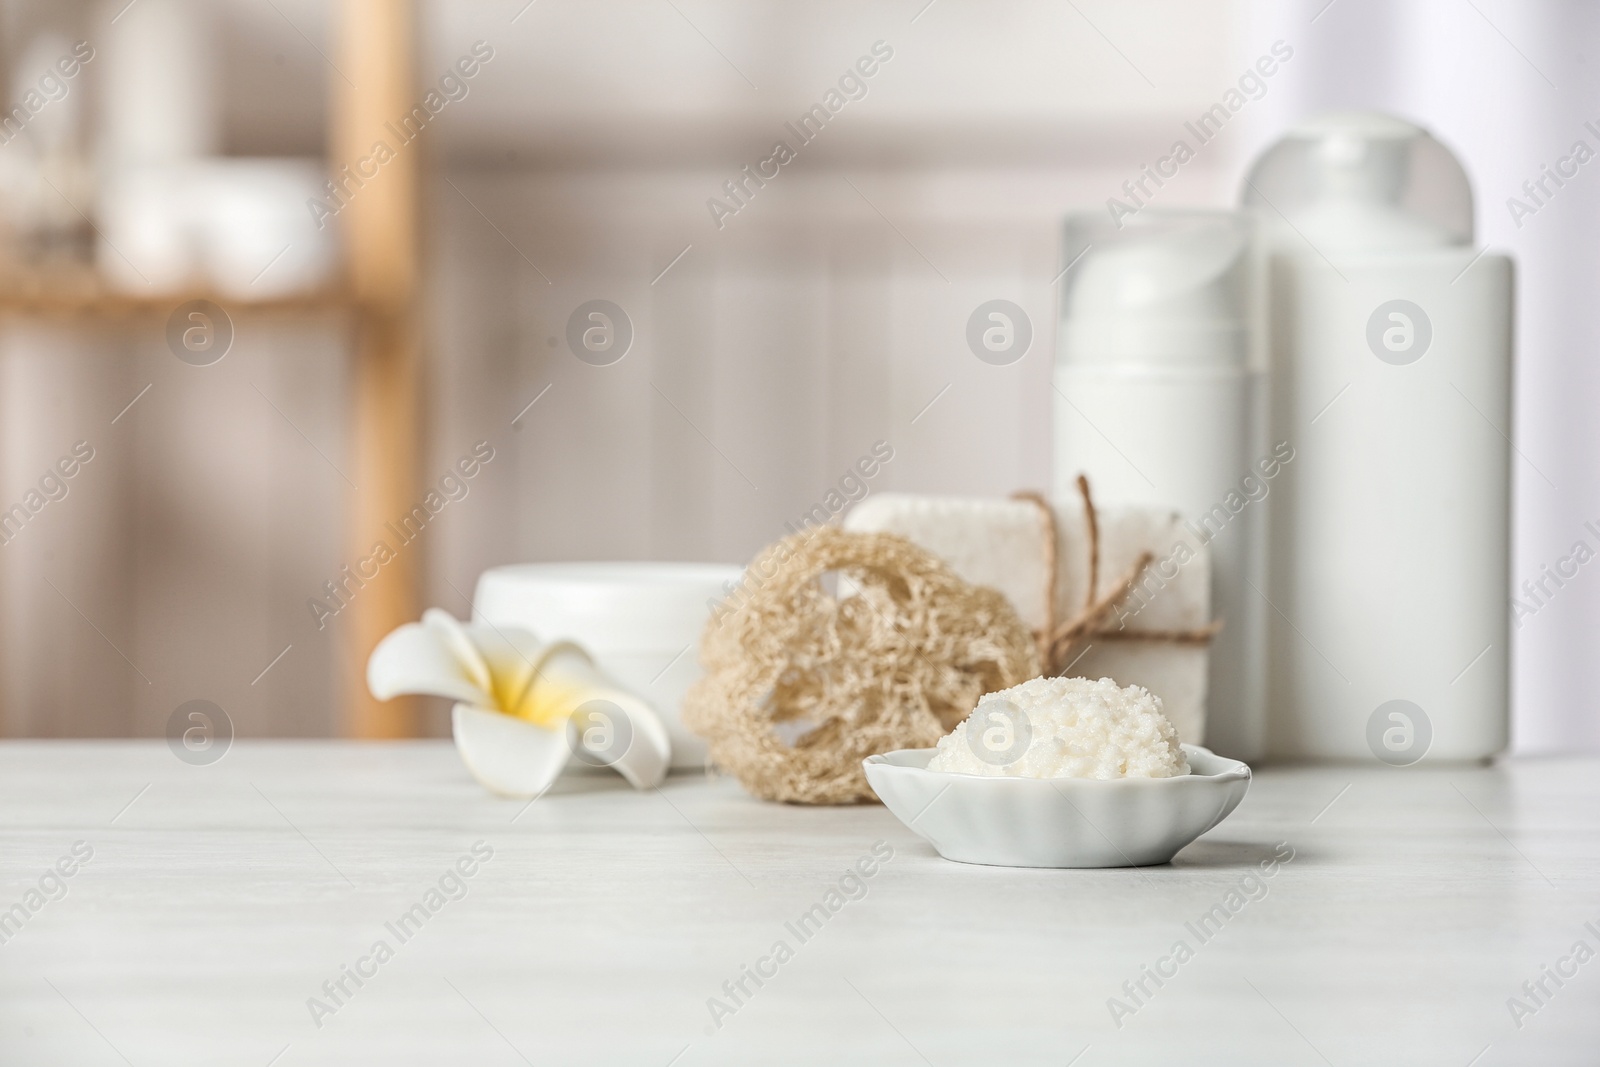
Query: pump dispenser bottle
{"points": [[1159, 397], [1391, 365]]}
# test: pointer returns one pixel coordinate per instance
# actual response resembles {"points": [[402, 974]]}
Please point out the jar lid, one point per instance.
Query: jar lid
{"points": [[605, 606]]}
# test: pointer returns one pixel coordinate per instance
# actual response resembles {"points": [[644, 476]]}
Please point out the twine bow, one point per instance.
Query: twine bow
{"points": [[1058, 641]]}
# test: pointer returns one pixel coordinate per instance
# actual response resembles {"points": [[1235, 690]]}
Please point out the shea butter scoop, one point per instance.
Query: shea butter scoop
{"points": [[1064, 728]]}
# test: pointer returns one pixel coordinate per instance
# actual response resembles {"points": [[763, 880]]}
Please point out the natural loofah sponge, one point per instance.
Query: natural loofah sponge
{"points": [[801, 686]]}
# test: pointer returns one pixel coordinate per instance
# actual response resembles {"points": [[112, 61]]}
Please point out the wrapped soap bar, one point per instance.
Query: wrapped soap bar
{"points": [[1153, 635]]}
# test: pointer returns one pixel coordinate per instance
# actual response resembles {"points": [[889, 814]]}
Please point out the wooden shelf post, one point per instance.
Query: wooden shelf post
{"points": [[375, 85]]}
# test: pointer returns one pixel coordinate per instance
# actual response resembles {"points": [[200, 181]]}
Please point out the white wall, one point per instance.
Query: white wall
{"points": [[820, 319]]}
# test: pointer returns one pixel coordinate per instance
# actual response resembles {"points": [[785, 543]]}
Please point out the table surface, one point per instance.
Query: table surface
{"points": [[219, 900]]}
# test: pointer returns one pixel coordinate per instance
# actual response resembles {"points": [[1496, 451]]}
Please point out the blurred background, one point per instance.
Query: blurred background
{"points": [[266, 369]]}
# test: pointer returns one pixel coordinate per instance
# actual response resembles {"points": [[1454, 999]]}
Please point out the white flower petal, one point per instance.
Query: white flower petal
{"points": [[455, 637], [648, 754], [417, 658], [512, 656], [507, 755]]}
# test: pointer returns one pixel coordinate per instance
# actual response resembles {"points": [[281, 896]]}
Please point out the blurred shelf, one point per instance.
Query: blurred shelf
{"points": [[379, 290], [76, 293]]}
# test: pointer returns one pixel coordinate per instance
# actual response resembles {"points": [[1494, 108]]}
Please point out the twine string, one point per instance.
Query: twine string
{"points": [[1057, 640]]}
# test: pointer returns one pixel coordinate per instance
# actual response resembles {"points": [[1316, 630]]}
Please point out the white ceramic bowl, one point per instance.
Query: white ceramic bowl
{"points": [[1057, 822]]}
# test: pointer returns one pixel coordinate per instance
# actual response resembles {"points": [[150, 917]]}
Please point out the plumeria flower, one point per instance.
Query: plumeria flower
{"points": [[523, 707]]}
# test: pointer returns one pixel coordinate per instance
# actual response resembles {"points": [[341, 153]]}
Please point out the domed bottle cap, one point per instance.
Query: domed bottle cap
{"points": [[1158, 288], [1361, 181]]}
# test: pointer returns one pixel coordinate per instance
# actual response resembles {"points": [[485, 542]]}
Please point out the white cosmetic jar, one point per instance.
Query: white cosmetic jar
{"points": [[640, 621]]}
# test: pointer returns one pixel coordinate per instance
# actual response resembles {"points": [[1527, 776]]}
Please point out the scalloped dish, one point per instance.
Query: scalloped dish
{"points": [[1010, 821], [1060, 772]]}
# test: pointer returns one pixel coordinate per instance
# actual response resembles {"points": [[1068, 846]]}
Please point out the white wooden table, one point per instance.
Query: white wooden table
{"points": [[219, 900]]}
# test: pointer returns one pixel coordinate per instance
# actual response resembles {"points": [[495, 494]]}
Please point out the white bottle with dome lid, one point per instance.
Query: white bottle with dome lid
{"points": [[1159, 400], [1391, 342]]}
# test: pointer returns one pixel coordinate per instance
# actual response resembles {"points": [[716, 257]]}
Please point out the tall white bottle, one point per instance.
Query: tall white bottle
{"points": [[1391, 361], [1159, 400]]}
